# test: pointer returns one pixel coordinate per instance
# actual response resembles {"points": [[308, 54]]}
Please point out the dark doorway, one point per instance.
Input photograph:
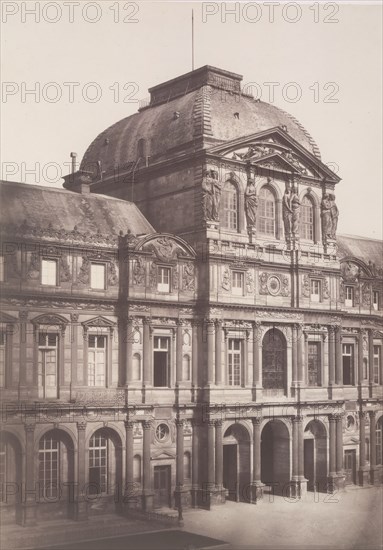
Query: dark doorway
{"points": [[350, 467], [275, 455], [162, 486], [230, 481]]}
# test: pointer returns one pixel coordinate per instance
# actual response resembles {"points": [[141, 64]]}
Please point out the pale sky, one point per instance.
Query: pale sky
{"points": [[331, 55]]}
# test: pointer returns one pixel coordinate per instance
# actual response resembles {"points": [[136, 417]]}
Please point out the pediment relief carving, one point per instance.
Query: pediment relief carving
{"points": [[350, 272], [163, 455], [50, 320], [166, 248], [99, 322]]}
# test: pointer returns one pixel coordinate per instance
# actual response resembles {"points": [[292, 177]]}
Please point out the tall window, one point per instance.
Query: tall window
{"points": [[230, 206], [49, 272], [49, 467], [163, 284], [161, 361], [266, 212], [97, 276], [349, 298], [273, 360], [376, 364], [375, 300], [137, 468], [98, 464], [234, 361], [379, 441], [136, 367], [238, 278], [348, 364], [3, 339], [315, 290], [96, 360], [314, 366], [307, 219], [47, 364]]}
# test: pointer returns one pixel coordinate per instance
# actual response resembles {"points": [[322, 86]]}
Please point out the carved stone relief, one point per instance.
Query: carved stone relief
{"points": [[226, 279], [188, 277], [139, 271]]}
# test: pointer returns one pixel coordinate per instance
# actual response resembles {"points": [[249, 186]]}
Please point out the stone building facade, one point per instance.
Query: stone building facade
{"points": [[182, 324]]}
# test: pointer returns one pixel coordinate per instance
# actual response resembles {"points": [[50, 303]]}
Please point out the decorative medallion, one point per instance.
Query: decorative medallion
{"points": [[273, 285]]}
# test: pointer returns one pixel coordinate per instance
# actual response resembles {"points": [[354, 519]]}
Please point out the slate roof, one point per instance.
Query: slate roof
{"points": [[363, 248], [41, 207], [206, 108]]}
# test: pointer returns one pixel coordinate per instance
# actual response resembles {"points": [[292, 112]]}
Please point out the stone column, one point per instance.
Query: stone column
{"points": [[256, 366], [363, 473], [331, 355], [74, 349], [130, 490], [81, 506], [179, 353], [317, 231], [210, 458], [299, 354], [338, 357], [256, 489], [294, 351], [195, 354], [147, 353], [332, 465], [373, 473], [180, 454], [218, 352], [209, 326], [295, 468], [278, 218], [339, 450], [371, 357], [218, 455], [147, 485], [31, 495], [195, 483], [360, 357], [129, 350]]}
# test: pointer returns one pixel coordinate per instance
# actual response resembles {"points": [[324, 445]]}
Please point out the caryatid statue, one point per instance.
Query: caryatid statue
{"points": [[334, 216], [212, 188], [251, 204], [326, 217], [295, 204], [287, 213]]}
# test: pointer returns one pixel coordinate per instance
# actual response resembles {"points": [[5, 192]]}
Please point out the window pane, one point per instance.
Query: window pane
{"points": [[234, 362], [266, 212], [314, 370], [49, 272], [307, 219], [97, 276], [230, 206], [96, 360]]}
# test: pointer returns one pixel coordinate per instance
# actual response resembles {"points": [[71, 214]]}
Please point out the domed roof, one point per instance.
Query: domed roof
{"points": [[197, 110]]}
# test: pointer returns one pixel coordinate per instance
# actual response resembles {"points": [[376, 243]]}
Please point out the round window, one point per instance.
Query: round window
{"points": [[273, 285], [162, 432]]}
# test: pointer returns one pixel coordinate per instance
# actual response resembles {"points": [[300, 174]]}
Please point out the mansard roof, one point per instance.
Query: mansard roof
{"points": [[362, 248], [40, 209], [196, 110]]}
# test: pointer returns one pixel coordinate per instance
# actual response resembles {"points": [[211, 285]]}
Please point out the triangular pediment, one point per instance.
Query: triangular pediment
{"points": [[99, 322], [163, 455], [277, 149]]}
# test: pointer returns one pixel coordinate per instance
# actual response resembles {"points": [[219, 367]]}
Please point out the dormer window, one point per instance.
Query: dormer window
{"points": [[163, 284], [97, 276], [49, 272], [237, 283], [315, 290]]}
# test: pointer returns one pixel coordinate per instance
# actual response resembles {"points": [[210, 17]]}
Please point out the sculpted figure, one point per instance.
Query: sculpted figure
{"points": [[287, 213], [211, 195], [334, 216], [326, 217], [295, 204], [251, 203]]}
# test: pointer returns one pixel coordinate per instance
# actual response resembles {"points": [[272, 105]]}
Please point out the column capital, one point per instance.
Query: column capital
{"points": [[81, 425], [257, 420], [74, 317], [362, 415], [129, 424], [372, 414], [218, 423], [147, 424], [211, 423], [29, 428], [180, 422], [298, 418]]}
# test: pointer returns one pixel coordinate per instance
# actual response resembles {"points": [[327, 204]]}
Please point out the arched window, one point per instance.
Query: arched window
{"points": [[49, 464], [379, 441], [230, 206], [307, 219], [187, 465], [274, 360], [186, 368], [137, 468], [266, 212], [136, 367]]}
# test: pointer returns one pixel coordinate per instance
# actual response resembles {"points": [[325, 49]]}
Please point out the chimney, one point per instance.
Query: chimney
{"points": [[73, 156]]}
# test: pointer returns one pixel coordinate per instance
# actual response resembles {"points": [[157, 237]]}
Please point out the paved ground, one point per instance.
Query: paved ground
{"points": [[349, 520]]}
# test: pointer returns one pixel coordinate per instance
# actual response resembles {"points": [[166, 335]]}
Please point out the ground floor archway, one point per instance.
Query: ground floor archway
{"points": [[315, 456], [236, 463], [275, 455]]}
